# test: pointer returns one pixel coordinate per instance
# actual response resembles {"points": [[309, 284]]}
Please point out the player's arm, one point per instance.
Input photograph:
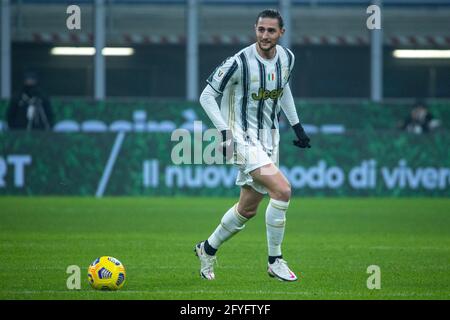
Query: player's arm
{"points": [[209, 104], [288, 107], [223, 76]]}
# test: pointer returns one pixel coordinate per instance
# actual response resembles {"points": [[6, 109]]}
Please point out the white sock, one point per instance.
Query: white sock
{"points": [[275, 224], [232, 222]]}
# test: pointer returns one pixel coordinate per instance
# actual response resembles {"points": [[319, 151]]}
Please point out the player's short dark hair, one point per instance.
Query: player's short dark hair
{"points": [[271, 13]]}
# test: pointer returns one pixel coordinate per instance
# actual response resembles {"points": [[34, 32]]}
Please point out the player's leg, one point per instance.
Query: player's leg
{"points": [[231, 223], [274, 181], [249, 201], [234, 219], [279, 191]]}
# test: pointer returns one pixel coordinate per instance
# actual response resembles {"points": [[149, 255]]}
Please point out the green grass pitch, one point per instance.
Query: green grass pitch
{"points": [[330, 241]]}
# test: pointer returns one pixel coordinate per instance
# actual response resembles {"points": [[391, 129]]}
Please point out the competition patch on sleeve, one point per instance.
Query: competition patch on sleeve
{"points": [[219, 74]]}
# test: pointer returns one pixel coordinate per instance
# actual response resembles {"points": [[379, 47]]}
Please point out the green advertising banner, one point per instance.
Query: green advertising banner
{"points": [[354, 163], [165, 115]]}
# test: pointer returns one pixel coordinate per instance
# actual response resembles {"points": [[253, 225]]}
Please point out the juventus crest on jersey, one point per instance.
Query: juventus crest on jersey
{"points": [[251, 89]]}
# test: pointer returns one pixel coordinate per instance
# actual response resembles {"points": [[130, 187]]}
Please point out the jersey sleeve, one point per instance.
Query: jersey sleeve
{"points": [[291, 62], [209, 104], [223, 75], [288, 106]]}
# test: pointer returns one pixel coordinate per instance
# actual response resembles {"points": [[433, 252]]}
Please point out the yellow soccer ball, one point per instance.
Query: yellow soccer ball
{"points": [[106, 273]]}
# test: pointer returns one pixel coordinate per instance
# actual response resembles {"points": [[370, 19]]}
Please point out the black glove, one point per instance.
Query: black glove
{"points": [[303, 139], [227, 144]]}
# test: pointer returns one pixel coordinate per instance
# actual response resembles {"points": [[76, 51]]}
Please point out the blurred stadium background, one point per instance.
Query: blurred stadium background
{"points": [[350, 88], [113, 115], [330, 39]]}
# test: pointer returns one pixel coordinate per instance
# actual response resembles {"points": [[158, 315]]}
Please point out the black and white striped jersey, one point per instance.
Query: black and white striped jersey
{"points": [[251, 89]]}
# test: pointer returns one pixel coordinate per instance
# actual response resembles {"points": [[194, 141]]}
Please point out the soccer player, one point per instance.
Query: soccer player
{"points": [[254, 87]]}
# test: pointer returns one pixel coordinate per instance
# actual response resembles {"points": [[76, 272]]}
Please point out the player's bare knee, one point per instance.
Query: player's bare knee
{"points": [[282, 193], [247, 211], [285, 193], [249, 214]]}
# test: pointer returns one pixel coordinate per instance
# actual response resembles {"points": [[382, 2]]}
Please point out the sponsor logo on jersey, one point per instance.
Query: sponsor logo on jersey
{"points": [[266, 94]]}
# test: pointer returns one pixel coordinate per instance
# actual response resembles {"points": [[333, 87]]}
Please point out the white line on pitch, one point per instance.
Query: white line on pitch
{"points": [[110, 164]]}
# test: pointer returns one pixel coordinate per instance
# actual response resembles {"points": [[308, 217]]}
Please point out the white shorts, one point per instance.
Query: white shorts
{"points": [[249, 157]]}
